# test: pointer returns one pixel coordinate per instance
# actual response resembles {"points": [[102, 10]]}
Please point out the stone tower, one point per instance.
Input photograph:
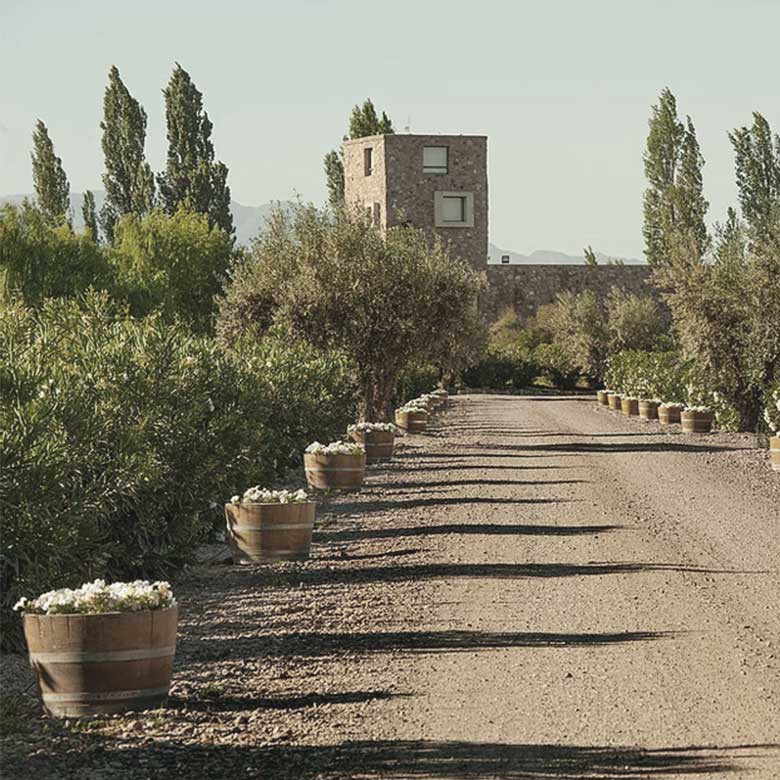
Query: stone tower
{"points": [[434, 182]]}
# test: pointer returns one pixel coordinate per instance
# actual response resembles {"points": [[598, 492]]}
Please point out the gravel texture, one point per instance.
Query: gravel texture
{"points": [[536, 588]]}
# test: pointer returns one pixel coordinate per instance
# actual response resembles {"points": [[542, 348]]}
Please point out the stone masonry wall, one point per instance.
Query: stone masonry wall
{"points": [[360, 190], [525, 288]]}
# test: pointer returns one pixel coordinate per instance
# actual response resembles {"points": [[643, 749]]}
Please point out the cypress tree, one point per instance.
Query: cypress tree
{"points": [[52, 190], [128, 180], [363, 121], [191, 176], [89, 215]]}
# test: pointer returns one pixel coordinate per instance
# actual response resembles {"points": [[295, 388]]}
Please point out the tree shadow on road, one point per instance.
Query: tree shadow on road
{"points": [[487, 529], [454, 483], [293, 702]]}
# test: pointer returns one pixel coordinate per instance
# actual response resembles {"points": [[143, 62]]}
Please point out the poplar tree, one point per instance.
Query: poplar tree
{"points": [[363, 121], [52, 190], [757, 164], [128, 180], [89, 215], [674, 204], [192, 177]]}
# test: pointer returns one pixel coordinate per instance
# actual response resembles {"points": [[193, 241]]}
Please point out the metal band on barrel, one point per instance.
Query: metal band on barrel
{"points": [[89, 696], [109, 655]]}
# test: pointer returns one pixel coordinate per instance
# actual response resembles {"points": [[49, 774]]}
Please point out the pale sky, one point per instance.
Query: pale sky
{"points": [[562, 88]]}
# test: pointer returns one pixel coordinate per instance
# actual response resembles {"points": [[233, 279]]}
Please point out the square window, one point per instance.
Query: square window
{"points": [[368, 161], [453, 208], [435, 159], [505, 259]]}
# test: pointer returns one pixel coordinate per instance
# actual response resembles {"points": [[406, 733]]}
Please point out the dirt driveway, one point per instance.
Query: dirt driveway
{"points": [[536, 589]]}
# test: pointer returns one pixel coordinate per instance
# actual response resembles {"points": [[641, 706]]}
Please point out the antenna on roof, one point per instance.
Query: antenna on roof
{"points": [[408, 128]]}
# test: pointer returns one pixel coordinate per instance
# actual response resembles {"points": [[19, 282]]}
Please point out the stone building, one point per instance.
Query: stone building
{"points": [[434, 182]]}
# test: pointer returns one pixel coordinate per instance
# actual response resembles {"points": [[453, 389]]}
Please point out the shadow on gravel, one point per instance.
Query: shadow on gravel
{"points": [[403, 760], [488, 529], [607, 448], [239, 703], [264, 578], [313, 644], [454, 483], [364, 507]]}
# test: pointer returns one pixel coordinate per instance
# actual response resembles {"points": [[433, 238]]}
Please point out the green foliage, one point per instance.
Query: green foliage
{"points": [[417, 378], [192, 178], [674, 204], [52, 191], [590, 256], [172, 264], [555, 363], [362, 122], [726, 314], [128, 180], [757, 163], [89, 215], [39, 260], [502, 368], [648, 374], [120, 438], [383, 300], [633, 321]]}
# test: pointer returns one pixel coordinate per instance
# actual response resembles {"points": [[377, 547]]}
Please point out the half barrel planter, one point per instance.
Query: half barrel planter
{"points": [[630, 406], [774, 452], [602, 397], [264, 533], [98, 664], [335, 472], [667, 415], [412, 422], [648, 410], [613, 401], [378, 444], [444, 397], [696, 422]]}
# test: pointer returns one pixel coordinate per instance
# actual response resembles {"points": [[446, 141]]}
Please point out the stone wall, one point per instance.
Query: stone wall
{"points": [[525, 288]]}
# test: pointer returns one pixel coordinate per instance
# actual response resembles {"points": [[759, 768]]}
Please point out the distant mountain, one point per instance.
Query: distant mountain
{"points": [[248, 220], [548, 257]]}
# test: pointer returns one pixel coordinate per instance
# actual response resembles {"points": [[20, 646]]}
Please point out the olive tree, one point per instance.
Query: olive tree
{"points": [[383, 299]]}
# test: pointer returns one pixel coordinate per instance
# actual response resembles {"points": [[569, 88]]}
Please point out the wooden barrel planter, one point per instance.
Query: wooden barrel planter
{"points": [[98, 664], [774, 452], [696, 422], [334, 472], [263, 533], [412, 422], [613, 401], [667, 415], [630, 406], [648, 410], [443, 396], [378, 444], [602, 398]]}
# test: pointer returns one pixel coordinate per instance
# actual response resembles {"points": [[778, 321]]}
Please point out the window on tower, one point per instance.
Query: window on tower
{"points": [[435, 159]]}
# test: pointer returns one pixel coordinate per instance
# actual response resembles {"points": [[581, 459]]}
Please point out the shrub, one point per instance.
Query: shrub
{"points": [[384, 300], [40, 261], [120, 437], [417, 378], [633, 322], [174, 265], [502, 368], [645, 374], [556, 364]]}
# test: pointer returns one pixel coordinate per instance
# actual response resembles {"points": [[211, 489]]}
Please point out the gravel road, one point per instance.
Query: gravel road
{"points": [[537, 588]]}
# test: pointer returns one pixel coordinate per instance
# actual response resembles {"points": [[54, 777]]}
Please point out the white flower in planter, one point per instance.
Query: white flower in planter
{"points": [[336, 448], [368, 427], [699, 409], [260, 495], [96, 597], [672, 405]]}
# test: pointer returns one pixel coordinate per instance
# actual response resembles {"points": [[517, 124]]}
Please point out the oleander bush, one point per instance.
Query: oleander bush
{"points": [[646, 374], [120, 437]]}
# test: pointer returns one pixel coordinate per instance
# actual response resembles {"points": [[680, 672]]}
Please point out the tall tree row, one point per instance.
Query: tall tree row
{"points": [[128, 180], [52, 190], [363, 122], [192, 176], [674, 203]]}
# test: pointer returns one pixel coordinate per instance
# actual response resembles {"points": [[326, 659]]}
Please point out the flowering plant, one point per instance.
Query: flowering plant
{"points": [[672, 405], [439, 391], [699, 409], [413, 406], [336, 448], [96, 597], [367, 427], [258, 495]]}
